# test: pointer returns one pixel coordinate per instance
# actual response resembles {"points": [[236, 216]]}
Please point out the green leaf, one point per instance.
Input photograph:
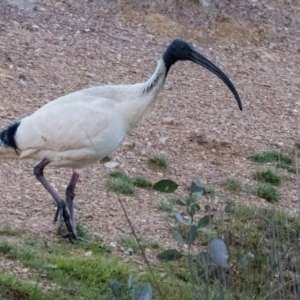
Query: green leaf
{"points": [[203, 222], [129, 281], [197, 188], [171, 254], [177, 236], [179, 217], [116, 287], [192, 234], [191, 209], [165, 186]]}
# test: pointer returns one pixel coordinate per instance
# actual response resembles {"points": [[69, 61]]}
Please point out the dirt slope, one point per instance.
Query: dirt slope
{"points": [[50, 48]]}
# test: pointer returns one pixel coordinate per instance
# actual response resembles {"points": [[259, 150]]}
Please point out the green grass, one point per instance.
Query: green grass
{"points": [[141, 182], [130, 242], [268, 176], [279, 159], [165, 207], [232, 184], [9, 231], [267, 192], [272, 236], [209, 191], [120, 182], [158, 161], [11, 287]]}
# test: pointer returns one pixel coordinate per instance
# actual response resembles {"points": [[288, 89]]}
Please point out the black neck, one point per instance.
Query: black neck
{"points": [[169, 59]]}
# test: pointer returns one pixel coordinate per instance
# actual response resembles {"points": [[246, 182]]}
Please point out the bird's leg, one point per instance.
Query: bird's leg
{"points": [[70, 194], [61, 205]]}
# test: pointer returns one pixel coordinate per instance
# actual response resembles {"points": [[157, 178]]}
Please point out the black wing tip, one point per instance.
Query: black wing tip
{"points": [[8, 136]]}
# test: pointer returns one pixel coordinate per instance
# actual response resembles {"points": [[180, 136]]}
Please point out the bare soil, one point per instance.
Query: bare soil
{"points": [[50, 48]]}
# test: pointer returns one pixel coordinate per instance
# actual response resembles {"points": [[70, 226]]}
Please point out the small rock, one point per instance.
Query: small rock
{"points": [[2, 108], [91, 75], [168, 121], [18, 172], [129, 251], [111, 165], [113, 245], [88, 254], [213, 150], [98, 236]]}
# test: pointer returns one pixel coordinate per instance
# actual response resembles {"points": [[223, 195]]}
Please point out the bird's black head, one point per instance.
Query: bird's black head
{"points": [[181, 50]]}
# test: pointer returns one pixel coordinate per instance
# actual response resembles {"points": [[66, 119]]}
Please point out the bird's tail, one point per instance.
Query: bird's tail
{"points": [[8, 145]]}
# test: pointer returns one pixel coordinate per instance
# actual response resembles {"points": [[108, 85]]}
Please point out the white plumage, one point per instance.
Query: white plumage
{"points": [[81, 128]]}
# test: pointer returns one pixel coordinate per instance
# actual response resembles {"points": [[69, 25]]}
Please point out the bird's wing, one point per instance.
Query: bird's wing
{"points": [[86, 123]]}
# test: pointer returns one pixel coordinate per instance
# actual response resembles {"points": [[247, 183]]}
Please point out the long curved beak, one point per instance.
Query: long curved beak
{"points": [[204, 62]]}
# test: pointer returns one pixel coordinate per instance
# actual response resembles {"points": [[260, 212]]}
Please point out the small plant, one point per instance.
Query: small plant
{"points": [[165, 207], [233, 184], [279, 159], [120, 185], [119, 174], [158, 161], [267, 176], [266, 191], [106, 159], [120, 182], [136, 292], [141, 182], [154, 245], [130, 242], [208, 191]]}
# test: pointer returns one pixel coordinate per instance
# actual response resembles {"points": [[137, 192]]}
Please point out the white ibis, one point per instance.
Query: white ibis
{"points": [[83, 127]]}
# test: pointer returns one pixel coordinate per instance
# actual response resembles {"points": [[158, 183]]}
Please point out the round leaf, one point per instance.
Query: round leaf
{"points": [[165, 186], [116, 287], [218, 252]]}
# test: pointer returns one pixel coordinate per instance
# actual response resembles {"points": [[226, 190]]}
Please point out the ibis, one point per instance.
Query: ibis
{"points": [[83, 127]]}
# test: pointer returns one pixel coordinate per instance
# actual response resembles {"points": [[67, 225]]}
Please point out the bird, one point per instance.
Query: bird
{"points": [[81, 128]]}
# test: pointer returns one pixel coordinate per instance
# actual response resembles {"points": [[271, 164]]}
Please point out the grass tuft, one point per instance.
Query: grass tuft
{"points": [[209, 191], [266, 191], [120, 185], [165, 206], [141, 182], [279, 159], [158, 161], [233, 184], [268, 176]]}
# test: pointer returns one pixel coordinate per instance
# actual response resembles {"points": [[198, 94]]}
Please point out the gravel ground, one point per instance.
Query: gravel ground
{"points": [[51, 48]]}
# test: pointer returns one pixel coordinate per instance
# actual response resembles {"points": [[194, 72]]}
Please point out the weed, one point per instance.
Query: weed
{"points": [[233, 184], [268, 176], [120, 185], [120, 175], [208, 191], [279, 159], [165, 207], [141, 182], [130, 242], [8, 231], [158, 161], [154, 245], [266, 191]]}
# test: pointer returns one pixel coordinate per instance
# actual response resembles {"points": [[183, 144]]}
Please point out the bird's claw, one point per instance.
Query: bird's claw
{"points": [[62, 207]]}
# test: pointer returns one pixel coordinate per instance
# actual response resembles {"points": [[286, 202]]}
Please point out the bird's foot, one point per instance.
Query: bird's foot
{"points": [[63, 211]]}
